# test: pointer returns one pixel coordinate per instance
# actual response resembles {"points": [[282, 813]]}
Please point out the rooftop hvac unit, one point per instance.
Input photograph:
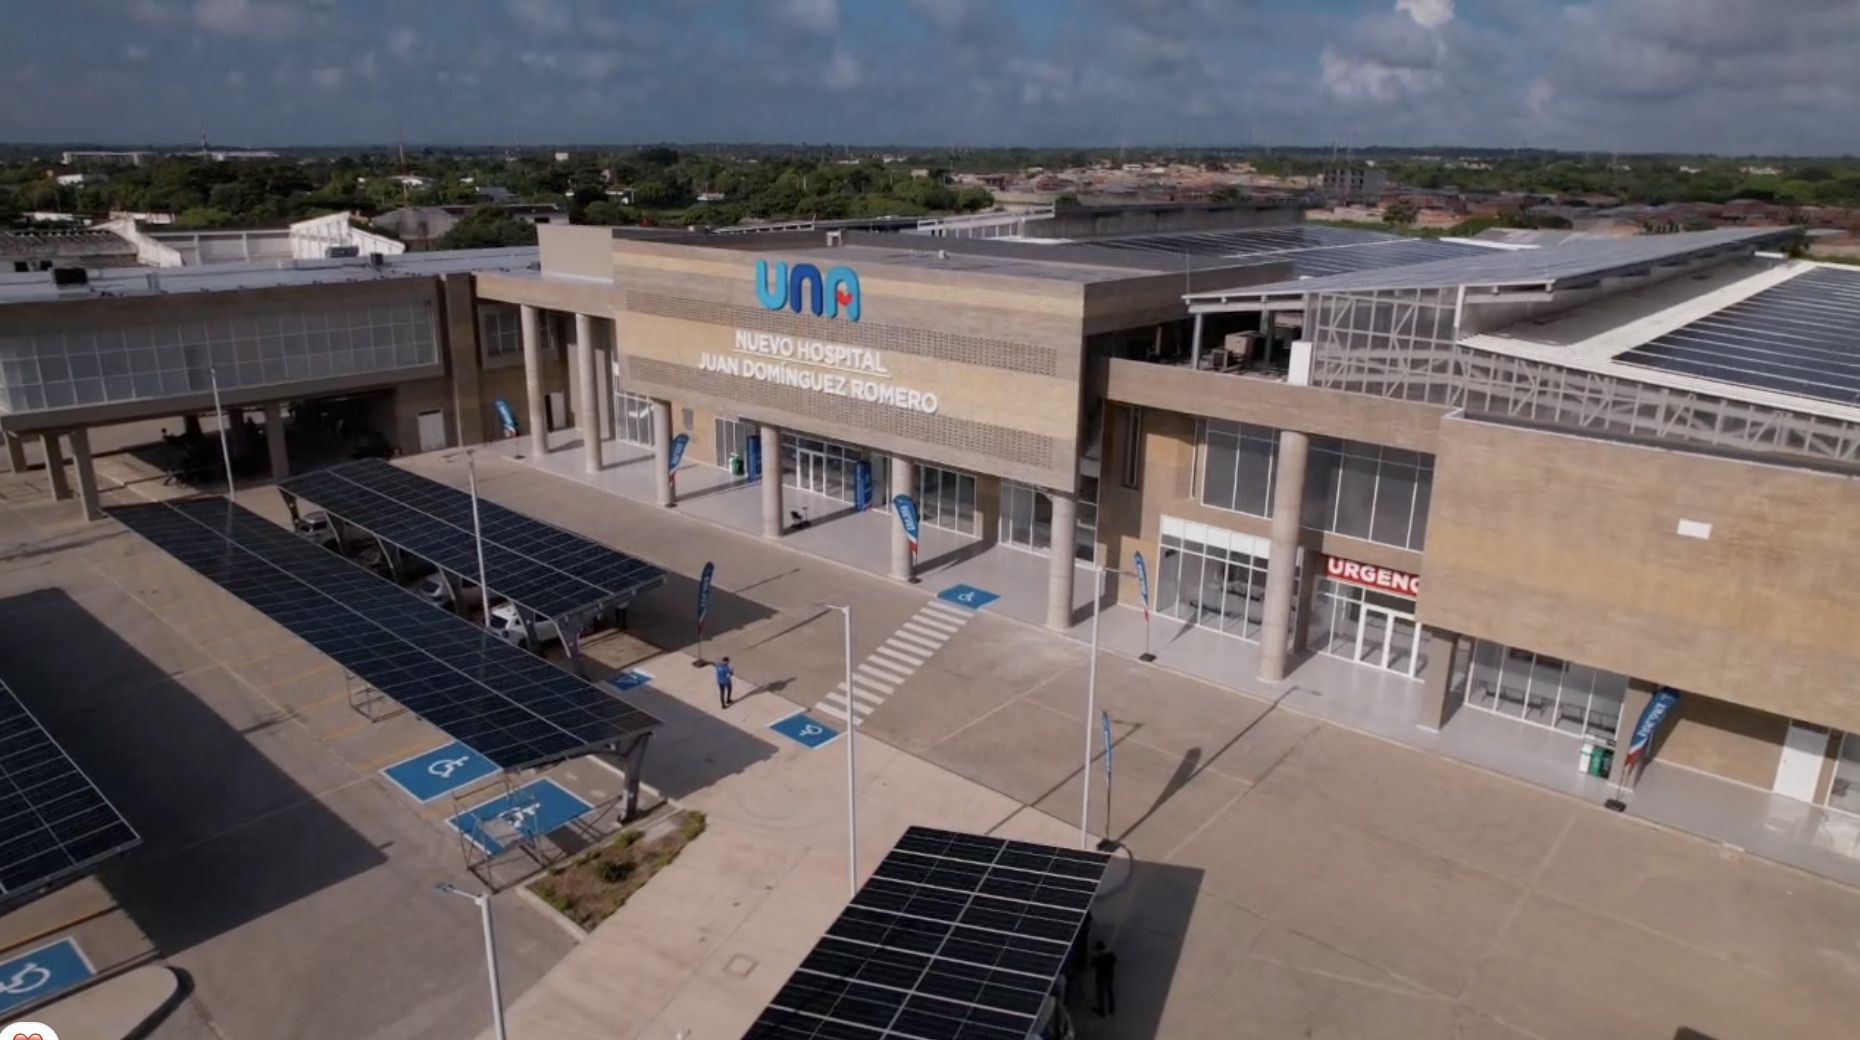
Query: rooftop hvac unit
{"points": [[340, 252], [376, 260]]}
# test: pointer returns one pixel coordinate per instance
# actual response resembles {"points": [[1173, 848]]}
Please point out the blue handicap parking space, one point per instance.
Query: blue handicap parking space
{"points": [[967, 596], [40, 973], [528, 812], [803, 728], [442, 770], [627, 680]]}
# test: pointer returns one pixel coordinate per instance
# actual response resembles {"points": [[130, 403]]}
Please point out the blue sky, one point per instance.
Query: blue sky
{"points": [[1733, 76]]}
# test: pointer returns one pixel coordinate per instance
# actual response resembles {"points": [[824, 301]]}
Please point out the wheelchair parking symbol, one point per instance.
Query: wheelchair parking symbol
{"points": [[805, 730], [967, 596], [38, 974], [442, 770]]}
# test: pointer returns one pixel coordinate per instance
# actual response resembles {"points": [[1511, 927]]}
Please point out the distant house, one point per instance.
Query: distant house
{"points": [[421, 227], [408, 180], [711, 196], [494, 194], [78, 180], [1349, 184]]}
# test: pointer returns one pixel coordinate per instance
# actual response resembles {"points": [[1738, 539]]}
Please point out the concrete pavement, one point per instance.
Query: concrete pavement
{"points": [[1292, 877]]}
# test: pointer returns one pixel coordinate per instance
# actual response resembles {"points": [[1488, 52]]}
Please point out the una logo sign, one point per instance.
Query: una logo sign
{"points": [[827, 296]]}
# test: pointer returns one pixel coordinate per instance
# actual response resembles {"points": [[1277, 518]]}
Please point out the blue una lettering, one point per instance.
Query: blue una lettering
{"points": [[774, 295], [806, 283]]}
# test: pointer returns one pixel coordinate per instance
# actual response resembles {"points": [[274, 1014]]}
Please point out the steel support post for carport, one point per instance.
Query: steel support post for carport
{"points": [[632, 762]]}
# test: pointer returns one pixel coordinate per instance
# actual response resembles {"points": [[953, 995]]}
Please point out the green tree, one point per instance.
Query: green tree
{"points": [[205, 217], [1401, 213], [487, 228]]}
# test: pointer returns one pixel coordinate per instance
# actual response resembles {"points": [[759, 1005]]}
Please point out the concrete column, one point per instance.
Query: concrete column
{"points": [[587, 411], [86, 474], [274, 441], [1438, 703], [533, 380], [662, 452], [1282, 567], [467, 364], [772, 517], [55, 466], [1307, 594], [604, 385], [1060, 563], [903, 482], [16, 452]]}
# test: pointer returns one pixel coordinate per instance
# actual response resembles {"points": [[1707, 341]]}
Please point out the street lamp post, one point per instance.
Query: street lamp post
{"points": [[852, 780], [490, 952], [1091, 711], [219, 416], [477, 535]]}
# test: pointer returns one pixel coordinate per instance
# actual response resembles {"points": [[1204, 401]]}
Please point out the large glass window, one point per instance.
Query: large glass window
{"points": [[1542, 690], [946, 499], [1026, 517], [1367, 491], [732, 439], [1366, 626], [1844, 794], [1212, 578], [1238, 461], [500, 332], [635, 414]]}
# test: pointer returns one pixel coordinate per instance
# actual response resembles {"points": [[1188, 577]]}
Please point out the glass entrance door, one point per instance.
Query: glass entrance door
{"points": [[1387, 639]]}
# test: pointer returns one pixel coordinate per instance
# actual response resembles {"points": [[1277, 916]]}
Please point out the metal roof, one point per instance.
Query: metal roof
{"points": [[158, 281], [1544, 269]]}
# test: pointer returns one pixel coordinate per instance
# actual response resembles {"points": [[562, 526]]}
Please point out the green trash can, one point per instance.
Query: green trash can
{"points": [[736, 464]]}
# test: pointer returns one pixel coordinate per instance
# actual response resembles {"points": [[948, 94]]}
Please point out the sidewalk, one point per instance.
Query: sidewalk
{"points": [[708, 941], [1383, 704]]}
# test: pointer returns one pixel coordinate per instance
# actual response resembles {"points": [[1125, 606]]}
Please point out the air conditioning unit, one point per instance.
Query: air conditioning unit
{"points": [[70, 276], [341, 252]]}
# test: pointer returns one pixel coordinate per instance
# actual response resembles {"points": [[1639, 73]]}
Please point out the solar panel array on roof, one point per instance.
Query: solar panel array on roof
{"points": [[54, 822], [1799, 337], [543, 568], [1242, 242], [955, 937], [1581, 261], [510, 706]]}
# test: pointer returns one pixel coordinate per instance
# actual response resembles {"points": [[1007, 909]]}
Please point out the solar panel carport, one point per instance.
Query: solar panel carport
{"points": [[514, 708], [954, 937], [546, 571]]}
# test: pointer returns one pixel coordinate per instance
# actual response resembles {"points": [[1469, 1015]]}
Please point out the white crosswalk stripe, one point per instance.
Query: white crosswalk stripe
{"points": [[895, 661]]}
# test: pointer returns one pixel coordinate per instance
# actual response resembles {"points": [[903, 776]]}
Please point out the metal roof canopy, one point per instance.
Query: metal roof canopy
{"points": [[372, 496], [516, 709], [954, 937], [1501, 274], [55, 823]]}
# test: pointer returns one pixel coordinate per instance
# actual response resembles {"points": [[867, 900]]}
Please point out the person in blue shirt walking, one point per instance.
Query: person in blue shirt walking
{"points": [[726, 685]]}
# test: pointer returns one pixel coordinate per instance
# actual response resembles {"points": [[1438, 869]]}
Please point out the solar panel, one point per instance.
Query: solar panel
{"points": [[539, 566], [510, 706], [954, 937], [54, 822], [1242, 242], [1798, 337]]}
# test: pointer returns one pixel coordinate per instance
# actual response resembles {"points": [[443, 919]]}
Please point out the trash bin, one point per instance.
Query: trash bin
{"points": [[736, 464], [1586, 760]]}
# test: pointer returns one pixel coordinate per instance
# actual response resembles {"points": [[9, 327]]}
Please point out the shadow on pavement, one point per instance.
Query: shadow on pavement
{"points": [[1151, 907], [692, 750], [227, 836], [667, 617]]}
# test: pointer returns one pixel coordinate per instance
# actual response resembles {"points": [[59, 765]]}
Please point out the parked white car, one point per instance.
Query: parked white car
{"points": [[506, 622], [435, 591], [316, 528]]}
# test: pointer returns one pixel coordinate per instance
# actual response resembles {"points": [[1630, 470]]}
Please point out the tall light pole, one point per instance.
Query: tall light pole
{"points": [[852, 778], [490, 952], [219, 416], [477, 534], [1091, 711]]}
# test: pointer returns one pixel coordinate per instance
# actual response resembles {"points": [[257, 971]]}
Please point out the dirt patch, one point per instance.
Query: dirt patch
{"points": [[588, 889]]}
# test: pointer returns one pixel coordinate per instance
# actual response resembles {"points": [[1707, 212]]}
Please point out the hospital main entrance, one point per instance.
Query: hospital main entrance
{"points": [[1360, 613]]}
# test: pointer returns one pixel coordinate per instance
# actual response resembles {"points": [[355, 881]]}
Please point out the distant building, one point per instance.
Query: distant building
{"points": [[561, 157], [78, 180], [408, 180], [318, 238], [494, 194], [22, 251], [1760, 171], [711, 196], [1349, 183], [104, 158], [421, 227]]}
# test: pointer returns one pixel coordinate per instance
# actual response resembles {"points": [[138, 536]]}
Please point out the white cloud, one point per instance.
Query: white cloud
{"points": [[1430, 14], [1366, 79], [254, 19], [135, 52], [544, 16], [235, 79], [816, 16], [402, 42], [843, 72], [328, 77]]}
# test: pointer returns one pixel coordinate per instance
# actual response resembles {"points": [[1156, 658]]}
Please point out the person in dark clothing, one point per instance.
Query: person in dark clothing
{"points": [[1104, 978], [726, 684]]}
